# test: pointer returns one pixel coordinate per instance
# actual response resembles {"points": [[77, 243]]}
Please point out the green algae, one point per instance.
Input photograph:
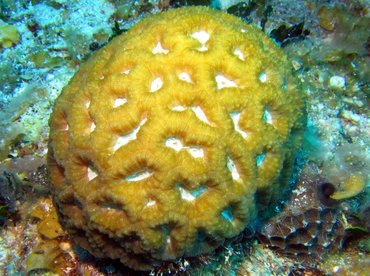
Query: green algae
{"points": [[42, 59]]}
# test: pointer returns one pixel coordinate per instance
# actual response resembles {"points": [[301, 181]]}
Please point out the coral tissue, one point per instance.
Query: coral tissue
{"points": [[173, 137]]}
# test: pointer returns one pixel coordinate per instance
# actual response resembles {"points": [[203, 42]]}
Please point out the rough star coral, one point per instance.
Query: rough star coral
{"points": [[173, 137]]}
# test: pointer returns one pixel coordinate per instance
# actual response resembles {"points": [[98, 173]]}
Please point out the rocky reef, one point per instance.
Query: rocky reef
{"points": [[327, 44]]}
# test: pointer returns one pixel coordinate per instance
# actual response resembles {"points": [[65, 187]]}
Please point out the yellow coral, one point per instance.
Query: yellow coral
{"points": [[166, 140], [9, 35], [53, 251], [351, 187], [48, 225]]}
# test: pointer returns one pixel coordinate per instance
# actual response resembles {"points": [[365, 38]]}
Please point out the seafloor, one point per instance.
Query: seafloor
{"points": [[42, 44]]}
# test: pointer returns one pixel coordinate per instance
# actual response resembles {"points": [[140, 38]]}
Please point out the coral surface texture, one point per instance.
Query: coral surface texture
{"points": [[174, 137]]}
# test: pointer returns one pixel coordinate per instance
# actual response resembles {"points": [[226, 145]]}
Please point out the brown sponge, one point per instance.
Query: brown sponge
{"points": [[173, 137]]}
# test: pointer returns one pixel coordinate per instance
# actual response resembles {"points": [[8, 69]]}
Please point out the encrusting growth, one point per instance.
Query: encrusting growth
{"points": [[173, 137]]}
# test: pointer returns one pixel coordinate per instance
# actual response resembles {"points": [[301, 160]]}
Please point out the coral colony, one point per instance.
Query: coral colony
{"points": [[173, 137]]}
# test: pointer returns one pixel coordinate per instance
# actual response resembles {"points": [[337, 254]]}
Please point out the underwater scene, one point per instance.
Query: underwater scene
{"points": [[184, 137]]}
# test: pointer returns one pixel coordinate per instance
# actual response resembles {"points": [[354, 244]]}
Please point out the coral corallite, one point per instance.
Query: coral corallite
{"points": [[173, 137]]}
